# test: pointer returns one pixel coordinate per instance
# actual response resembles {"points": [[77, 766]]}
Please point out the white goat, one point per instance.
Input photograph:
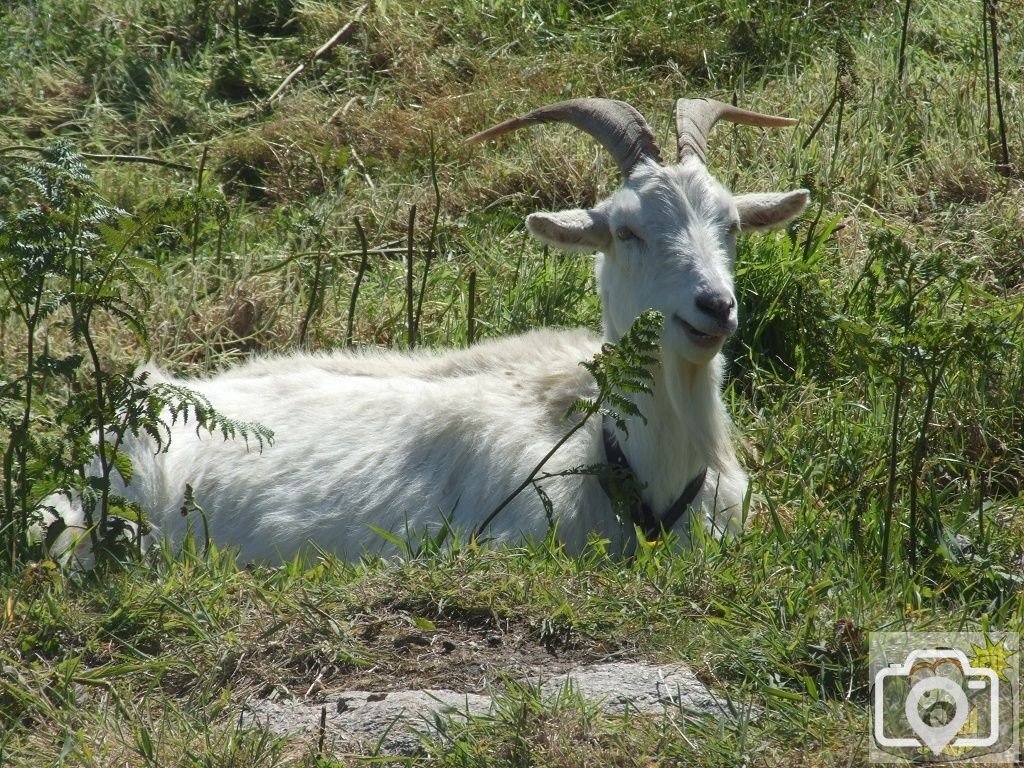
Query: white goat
{"points": [[406, 442]]}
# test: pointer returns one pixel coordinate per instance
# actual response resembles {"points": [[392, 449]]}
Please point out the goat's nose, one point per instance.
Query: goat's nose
{"points": [[719, 306]]}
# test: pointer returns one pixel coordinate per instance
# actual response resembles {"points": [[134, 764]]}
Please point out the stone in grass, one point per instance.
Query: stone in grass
{"points": [[393, 723]]}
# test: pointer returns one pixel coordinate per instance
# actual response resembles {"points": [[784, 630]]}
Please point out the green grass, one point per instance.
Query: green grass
{"points": [[877, 378]]}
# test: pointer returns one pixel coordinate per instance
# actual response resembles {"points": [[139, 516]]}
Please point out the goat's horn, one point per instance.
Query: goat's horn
{"points": [[615, 124], [696, 117]]}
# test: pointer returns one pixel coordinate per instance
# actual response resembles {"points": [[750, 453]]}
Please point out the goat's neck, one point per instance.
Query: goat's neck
{"points": [[686, 429]]}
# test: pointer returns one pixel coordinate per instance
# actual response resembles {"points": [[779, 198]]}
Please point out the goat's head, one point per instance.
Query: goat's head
{"points": [[667, 236]]}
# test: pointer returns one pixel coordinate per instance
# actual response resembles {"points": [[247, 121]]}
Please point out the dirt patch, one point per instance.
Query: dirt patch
{"points": [[427, 673], [469, 659]]}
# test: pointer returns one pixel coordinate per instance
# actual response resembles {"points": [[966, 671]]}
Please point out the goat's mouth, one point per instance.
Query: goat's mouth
{"points": [[697, 337]]}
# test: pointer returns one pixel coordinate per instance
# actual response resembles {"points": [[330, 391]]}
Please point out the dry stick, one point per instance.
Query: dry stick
{"points": [[389, 249], [982, 489], [917, 462], [383, 250], [837, 98], [202, 168], [137, 159], [314, 299], [993, 23], [320, 52], [839, 130], [822, 119], [902, 66], [199, 192], [197, 215], [95, 156], [431, 240], [471, 313], [419, 299], [893, 457], [988, 77], [410, 245], [359, 279]]}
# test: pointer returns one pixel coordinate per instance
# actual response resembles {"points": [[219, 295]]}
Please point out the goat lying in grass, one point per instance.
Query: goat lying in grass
{"points": [[406, 442]]}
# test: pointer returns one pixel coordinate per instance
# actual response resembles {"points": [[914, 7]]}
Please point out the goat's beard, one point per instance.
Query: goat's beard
{"points": [[690, 377]]}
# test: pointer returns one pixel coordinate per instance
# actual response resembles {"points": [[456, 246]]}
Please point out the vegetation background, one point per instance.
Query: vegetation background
{"points": [[878, 376]]}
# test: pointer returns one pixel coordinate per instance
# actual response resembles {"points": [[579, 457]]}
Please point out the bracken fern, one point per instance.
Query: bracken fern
{"points": [[66, 258]]}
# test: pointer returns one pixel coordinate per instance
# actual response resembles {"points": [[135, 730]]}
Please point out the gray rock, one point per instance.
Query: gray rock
{"points": [[393, 723], [363, 721], [619, 687]]}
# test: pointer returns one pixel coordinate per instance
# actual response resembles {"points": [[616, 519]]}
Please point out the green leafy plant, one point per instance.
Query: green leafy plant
{"points": [[909, 317], [67, 258]]}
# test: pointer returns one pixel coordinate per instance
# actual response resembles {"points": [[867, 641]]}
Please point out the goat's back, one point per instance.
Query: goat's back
{"points": [[394, 441]]}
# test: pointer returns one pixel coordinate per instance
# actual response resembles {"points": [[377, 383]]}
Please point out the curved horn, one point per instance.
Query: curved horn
{"points": [[615, 124], [696, 117]]}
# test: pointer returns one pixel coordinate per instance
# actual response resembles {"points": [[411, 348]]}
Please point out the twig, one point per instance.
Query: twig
{"points": [[359, 279], [384, 250], [988, 77], [96, 156], [137, 159], [471, 312], [893, 459], [431, 239], [199, 193], [314, 299], [410, 246], [839, 131], [202, 168], [993, 22], [821, 120], [902, 66], [320, 52]]}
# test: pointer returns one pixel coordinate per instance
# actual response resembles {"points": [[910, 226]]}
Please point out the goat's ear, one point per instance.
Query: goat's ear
{"points": [[769, 210], [574, 230]]}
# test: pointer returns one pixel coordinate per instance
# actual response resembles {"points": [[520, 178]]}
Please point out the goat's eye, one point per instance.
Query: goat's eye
{"points": [[624, 233]]}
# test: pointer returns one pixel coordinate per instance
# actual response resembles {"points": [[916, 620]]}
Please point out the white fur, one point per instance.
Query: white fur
{"points": [[404, 442]]}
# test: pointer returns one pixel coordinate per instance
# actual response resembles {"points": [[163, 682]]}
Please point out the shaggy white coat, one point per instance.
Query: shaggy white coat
{"points": [[404, 442]]}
